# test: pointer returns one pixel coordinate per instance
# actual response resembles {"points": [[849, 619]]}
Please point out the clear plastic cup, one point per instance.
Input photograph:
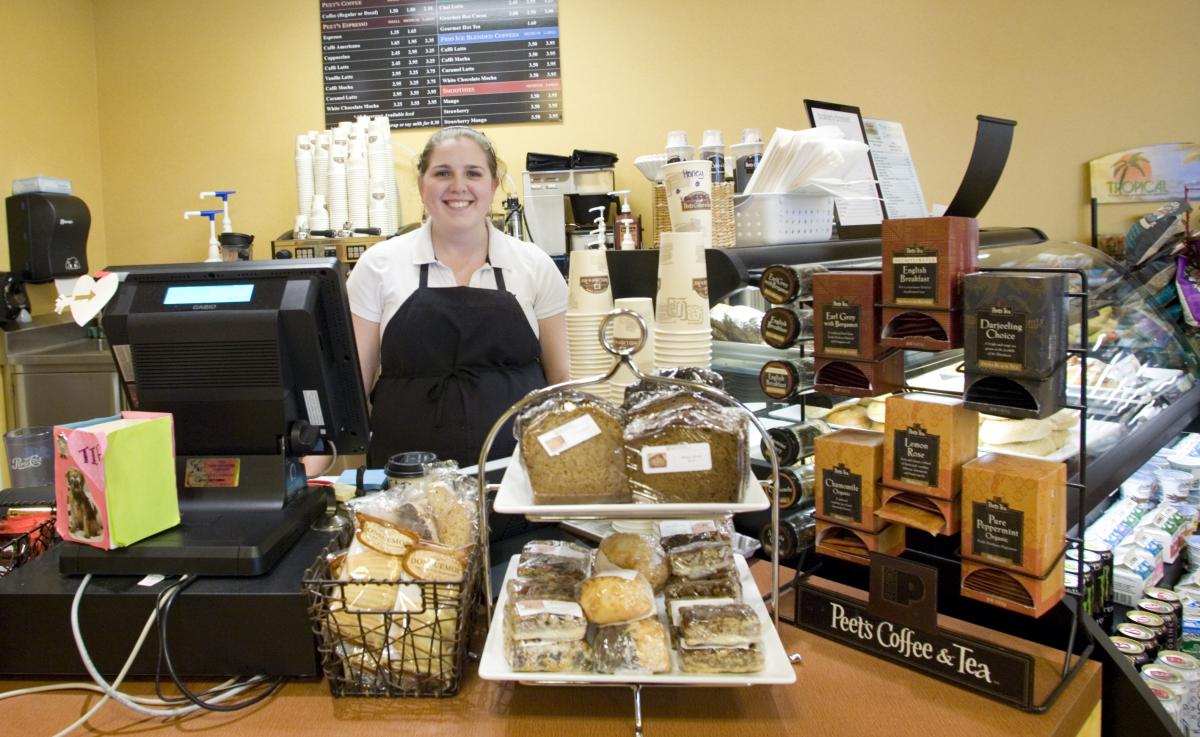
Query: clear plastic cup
{"points": [[30, 456]]}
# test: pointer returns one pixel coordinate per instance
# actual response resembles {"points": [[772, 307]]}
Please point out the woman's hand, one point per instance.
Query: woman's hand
{"points": [[552, 334]]}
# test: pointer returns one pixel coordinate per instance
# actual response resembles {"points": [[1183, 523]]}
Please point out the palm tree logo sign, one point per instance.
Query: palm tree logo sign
{"points": [[1133, 175]]}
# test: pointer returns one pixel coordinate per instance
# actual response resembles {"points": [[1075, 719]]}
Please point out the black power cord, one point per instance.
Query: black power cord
{"points": [[166, 600]]}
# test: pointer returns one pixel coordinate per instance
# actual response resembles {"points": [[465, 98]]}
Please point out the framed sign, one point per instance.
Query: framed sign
{"points": [[1146, 174]]}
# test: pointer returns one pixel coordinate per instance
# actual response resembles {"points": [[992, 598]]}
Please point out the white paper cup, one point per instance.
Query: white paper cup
{"points": [[689, 197], [682, 302], [588, 286]]}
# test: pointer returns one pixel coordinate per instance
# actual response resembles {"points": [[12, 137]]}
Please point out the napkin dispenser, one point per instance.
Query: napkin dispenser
{"points": [[47, 236]]}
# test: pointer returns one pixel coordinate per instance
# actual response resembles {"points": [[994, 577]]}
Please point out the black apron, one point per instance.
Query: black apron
{"points": [[453, 360]]}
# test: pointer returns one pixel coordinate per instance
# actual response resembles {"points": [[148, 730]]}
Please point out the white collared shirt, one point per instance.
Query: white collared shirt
{"points": [[389, 272]]}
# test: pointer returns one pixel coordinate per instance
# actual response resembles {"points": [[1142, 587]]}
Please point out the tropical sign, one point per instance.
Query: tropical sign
{"points": [[1146, 174]]}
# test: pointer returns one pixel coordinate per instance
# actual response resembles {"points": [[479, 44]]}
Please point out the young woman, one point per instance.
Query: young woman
{"points": [[458, 320]]}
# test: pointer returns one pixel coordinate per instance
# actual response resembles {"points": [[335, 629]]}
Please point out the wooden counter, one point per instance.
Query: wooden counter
{"points": [[840, 691]]}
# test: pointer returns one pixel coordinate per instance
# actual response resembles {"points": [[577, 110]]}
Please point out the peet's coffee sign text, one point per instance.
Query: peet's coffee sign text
{"points": [[969, 663]]}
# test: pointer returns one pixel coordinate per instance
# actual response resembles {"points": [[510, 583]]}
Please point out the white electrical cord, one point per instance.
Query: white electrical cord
{"points": [[332, 461]]}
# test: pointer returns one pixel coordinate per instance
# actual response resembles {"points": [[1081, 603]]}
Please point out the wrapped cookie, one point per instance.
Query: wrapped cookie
{"points": [[677, 532], [616, 596], [634, 647], [724, 585], [556, 588], [634, 552], [533, 656], [726, 625], [548, 620], [700, 559], [571, 449], [554, 558]]}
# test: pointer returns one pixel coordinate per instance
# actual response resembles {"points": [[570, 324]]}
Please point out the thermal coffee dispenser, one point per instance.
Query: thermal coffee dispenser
{"points": [[47, 236]]}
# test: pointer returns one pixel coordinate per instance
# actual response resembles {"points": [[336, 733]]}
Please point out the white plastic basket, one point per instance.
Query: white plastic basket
{"points": [[774, 219]]}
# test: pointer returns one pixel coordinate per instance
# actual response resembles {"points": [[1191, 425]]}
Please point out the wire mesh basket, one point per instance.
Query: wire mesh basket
{"points": [[18, 549], [419, 651]]}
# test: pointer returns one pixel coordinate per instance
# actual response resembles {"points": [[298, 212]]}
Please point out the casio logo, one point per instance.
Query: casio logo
{"points": [[64, 221], [204, 307]]}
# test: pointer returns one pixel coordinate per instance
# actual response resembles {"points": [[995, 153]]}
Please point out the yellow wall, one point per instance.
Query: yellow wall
{"points": [[201, 95], [50, 120]]}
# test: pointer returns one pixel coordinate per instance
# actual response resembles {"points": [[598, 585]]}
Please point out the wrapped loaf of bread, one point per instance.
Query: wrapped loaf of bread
{"points": [[571, 449], [635, 552], [691, 452], [616, 596], [635, 647]]}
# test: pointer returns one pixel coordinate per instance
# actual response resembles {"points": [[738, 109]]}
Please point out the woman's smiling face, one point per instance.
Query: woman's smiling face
{"points": [[457, 187]]}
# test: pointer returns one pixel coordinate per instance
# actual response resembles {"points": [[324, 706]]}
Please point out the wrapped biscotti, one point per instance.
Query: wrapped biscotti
{"points": [[571, 449], [636, 552], [635, 647], [691, 453]]}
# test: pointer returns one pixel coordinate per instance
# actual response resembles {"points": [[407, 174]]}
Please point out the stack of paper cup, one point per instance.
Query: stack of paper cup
{"points": [[589, 300], [358, 184], [625, 333], [682, 333], [321, 164], [377, 213], [318, 216], [689, 197], [304, 175], [383, 168], [339, 207]]}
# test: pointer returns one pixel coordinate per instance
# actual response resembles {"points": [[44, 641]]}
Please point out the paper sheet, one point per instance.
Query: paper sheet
{"points": [[894, 166], [860, 211]]}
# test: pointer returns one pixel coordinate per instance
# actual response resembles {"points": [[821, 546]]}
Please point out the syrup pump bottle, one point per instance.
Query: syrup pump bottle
{"points": [[627, 227]]}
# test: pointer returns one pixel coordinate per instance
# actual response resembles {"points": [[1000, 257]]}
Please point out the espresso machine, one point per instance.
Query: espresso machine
{"points": [[560, 192]]}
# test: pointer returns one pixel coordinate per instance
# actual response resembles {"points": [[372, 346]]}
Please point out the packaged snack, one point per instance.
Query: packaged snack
{"points": [[675, 533], [634, 552], [693, 452], [533, 656], [554, 558], [616, 596], [544, 619], [701, 559], [725, 625], [557, 588], [721, 659], [723, 585], [571, 448], [635, 647], [685, 373]]}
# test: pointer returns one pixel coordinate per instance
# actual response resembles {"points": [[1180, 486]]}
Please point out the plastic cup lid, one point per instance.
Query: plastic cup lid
{"points": [[677, 139], [408, 465], [712, 137], [751, 135]]}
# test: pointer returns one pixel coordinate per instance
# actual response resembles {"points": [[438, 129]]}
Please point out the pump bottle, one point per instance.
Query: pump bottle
{"points": [[628, 226]]}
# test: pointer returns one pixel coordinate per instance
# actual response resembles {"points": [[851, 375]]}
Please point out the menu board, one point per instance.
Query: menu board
{"points": [[449, 62]]}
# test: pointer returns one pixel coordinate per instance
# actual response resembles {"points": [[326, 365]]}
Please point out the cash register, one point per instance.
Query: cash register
{"points": [[257, 363]]}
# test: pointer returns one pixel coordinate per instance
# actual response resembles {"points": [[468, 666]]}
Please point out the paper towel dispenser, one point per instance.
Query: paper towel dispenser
{"points": [[47, 236]]}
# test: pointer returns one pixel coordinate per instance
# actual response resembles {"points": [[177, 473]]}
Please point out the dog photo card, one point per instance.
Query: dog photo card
{"points": [[114, 479]]}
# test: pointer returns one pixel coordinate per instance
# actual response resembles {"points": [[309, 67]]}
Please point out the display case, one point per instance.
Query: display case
{"points": [[1140, 392]]}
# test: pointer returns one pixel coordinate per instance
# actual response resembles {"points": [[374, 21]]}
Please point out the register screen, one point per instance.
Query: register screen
{"points": [[209, 294]]}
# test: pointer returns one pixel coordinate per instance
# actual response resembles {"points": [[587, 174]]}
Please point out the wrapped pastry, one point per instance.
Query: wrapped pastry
{"points": [[634, 552], [554, 558], [616, 596], [571, 449], [724, 585], [695, 452], [544, 619], [635, 647], [718, 626], [675, 533], [721, 659], [555, 588], [697, 375], [700, 559], [532, 656]]}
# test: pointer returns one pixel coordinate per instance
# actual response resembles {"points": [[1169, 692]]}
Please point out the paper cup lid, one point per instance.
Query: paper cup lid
{"points": [[677, 139]]}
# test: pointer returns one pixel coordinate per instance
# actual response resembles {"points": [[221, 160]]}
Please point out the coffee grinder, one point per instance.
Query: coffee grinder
{"points": [[560, 193]]}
